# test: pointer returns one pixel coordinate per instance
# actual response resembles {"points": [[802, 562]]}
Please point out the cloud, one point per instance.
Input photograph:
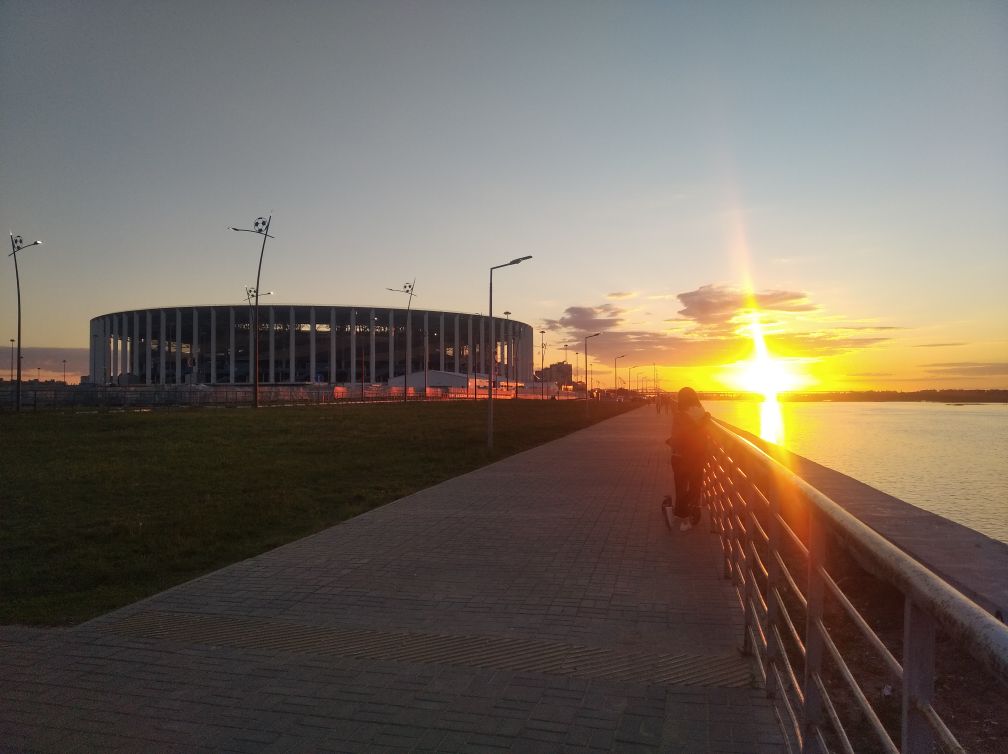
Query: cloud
{"points": [[721, 304], [621, 294], [587, 319], [938, 345], [968, 368]]}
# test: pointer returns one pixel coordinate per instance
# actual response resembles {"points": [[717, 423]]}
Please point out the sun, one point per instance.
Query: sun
{"points": [[763, 373]]}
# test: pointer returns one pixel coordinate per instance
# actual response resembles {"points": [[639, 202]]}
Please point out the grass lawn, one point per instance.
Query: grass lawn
{"points": [[99, 510]]}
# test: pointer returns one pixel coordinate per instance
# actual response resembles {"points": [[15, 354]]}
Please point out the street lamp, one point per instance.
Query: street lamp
{"points": [[587, 376], [507, 342], [490, 392], [615, 385], [407, 288], [17, 244], [12, 359], [542, 364], [261, 226], [250, 293], [629, 371], [64, 372]]}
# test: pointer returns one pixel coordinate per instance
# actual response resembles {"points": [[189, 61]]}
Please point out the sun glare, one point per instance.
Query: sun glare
{"points": [[767, 376]]}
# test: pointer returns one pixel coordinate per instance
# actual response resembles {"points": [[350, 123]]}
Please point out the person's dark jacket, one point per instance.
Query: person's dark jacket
{"points": [[689, 440]]}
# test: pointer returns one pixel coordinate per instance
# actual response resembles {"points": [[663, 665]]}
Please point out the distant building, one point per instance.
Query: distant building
{"points": [[560, 373], [213, 345]]}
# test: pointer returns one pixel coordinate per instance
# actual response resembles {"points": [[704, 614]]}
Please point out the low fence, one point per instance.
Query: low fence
{"points": [[776, 532], [139, 397]]}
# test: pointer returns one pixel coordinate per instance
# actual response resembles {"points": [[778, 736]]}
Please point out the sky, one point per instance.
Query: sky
{"points": [[839, 168]]}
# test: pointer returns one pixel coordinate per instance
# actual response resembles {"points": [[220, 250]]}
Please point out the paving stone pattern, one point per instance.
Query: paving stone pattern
{"points": [[559, 547]]}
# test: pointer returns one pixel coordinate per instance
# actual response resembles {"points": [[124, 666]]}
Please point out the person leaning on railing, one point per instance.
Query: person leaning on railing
{"points": [[689, 442]]}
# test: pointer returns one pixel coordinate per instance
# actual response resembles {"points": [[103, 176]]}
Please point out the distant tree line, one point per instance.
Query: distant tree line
{"points": [[933, 396]]}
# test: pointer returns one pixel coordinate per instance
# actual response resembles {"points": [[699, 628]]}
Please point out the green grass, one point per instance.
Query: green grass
{"points": [[99, 510]]}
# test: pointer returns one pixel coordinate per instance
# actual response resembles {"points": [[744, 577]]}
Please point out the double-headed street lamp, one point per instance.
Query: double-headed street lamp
{"points": [[490, 392], [407, 288], [17, 244], [260, 226], [615, 379], [587, 376]]}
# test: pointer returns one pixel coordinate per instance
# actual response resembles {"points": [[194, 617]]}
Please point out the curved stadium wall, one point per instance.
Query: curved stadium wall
{"points": [[214, 345]]}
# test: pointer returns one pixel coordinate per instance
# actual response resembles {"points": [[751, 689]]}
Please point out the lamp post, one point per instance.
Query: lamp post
{"points": [[615, 384], [64, 371], [587, 376], [629, 371], [250, 294], [542, 364], [577, 360], [507, 369], [490, 392], [261, 226], [407, 288], [17, 244], [12, 359]]}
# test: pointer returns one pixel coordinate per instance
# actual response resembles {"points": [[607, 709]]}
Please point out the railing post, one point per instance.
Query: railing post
{"points": [[745, 516], [918, 678], [812, 713], [773, 583]]}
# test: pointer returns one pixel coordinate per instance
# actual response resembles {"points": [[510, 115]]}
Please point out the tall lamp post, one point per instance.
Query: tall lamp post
{"points": [[587, 384], [615, 379], [64, 371], [17, 244], [542, 364], [260, 226], [250, 294], [407, 288], [490, 392], [12, 359], [507, 369], [629, 371]]}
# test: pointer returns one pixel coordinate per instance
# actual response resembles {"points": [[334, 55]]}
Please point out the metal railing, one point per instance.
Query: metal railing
{"points": [[777, 533], [142, 397]]}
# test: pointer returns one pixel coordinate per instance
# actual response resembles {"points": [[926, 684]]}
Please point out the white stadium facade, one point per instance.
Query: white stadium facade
{"points": [[303, 344]]}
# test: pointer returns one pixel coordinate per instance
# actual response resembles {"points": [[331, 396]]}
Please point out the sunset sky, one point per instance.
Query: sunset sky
{"points": [[844, 166]]}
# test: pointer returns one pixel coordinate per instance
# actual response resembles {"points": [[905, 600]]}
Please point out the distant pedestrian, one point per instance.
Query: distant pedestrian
{"points": [[690, 447]]}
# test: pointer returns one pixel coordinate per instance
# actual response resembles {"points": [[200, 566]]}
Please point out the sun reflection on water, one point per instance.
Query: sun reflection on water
{"points": [[771, 423]]}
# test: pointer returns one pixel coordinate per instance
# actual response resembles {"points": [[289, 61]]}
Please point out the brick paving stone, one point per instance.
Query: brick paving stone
{"points": [[563, 543]]}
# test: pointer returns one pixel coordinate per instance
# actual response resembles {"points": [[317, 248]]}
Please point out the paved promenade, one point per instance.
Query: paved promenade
{"points": [[538, 604]]}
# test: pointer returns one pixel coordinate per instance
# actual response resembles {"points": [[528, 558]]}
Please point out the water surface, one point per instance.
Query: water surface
{"points": [[949, 459]]}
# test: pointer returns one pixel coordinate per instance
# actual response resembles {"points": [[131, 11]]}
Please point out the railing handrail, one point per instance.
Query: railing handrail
{"points": [[756, 502], [983, 635]]}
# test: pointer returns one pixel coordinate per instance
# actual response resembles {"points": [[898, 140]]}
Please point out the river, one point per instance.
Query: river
{"points": [[949, 459]]}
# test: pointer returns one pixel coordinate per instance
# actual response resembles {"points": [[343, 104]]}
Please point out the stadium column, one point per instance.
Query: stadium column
{"points": [[408, 363], [371, 336], [162, 351], [470, 367], [482, 346], [194, 348], [213, 346], [149, 351], [178, 346], [114, 367], [332, 344], [290, 332], [391, 344], [124, 346], [353, 347], [272, 346], [456, 343], [441, 341], [135, 347], [426, 345], [311, 347], [231, 344]]}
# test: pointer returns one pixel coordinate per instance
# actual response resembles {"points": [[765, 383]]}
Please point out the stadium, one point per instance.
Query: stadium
{"points": [[304, 344]]}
